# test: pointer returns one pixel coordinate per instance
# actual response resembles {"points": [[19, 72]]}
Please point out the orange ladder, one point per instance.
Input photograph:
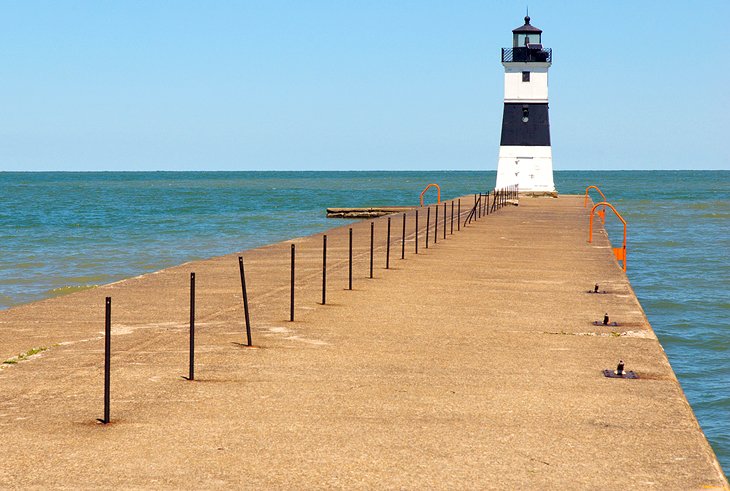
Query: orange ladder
{"points": [[438, 191], [619, 252]]}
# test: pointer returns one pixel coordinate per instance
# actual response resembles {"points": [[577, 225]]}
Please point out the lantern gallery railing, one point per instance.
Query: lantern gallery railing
{"points": [[510, 55]]}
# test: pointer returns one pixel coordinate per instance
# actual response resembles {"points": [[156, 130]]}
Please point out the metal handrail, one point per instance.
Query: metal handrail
{"points": [[601, 213], [585, 200], [618, 252], [438, 191]]}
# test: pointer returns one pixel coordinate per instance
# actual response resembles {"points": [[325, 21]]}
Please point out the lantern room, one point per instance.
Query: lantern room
{"points": [[527, 36]]}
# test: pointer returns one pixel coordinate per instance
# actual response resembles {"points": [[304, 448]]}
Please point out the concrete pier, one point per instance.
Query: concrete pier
{"points": [[472, 365]]}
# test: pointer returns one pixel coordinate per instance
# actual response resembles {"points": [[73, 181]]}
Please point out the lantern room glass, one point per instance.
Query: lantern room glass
{"points": [[521, 40]]}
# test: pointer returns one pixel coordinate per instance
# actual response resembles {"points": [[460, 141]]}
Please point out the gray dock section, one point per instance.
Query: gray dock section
{"points": [[474, 364]]}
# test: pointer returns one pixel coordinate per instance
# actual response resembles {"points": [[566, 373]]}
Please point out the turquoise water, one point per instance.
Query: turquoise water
{"points": [[64, 231]]}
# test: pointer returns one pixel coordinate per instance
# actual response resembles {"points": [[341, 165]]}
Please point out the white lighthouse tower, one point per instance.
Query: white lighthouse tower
{"points": [[525, 155]]}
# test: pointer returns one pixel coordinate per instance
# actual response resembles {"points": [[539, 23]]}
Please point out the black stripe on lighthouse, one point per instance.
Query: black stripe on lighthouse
{"points": [[525, 125]]}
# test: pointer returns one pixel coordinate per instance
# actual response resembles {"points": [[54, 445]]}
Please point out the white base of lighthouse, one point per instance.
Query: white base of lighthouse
{"points": [[529, 167]]}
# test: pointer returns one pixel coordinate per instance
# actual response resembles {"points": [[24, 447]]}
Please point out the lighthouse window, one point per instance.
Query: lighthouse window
{"points": [[525, 114], [525, 76]]}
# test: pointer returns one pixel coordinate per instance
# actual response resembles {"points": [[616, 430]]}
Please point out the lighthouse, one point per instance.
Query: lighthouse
{"points": [[525, 155]]}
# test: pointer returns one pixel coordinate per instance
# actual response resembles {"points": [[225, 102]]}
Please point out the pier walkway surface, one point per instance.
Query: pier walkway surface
{"points": [[474, 364]]}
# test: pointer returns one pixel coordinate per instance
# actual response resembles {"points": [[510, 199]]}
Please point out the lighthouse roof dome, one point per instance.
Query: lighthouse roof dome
{"points": [[527, 28]]}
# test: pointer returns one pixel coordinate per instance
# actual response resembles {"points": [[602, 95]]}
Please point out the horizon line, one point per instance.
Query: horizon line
{"points": [[344, 170]]}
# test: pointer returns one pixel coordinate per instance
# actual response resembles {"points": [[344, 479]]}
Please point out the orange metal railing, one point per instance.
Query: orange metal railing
{"points": [[438, 192], [619, 252], [601, 213], [585, 200]]}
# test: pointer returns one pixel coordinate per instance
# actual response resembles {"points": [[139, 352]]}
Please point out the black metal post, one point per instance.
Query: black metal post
{"points": [[191, 368], [291, 293], [387, 249], [436, 225], [324, 269], [487, 202], [458, 213], [372, 242], [428, 223], [444, 220], [403, 239], [107, 358], [479, 211], [416, 231], [349, 284], [452, 217], [245, 301]]}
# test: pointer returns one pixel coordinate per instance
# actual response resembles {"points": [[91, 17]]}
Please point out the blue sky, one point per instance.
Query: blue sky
{"points": [[310, 85]]}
